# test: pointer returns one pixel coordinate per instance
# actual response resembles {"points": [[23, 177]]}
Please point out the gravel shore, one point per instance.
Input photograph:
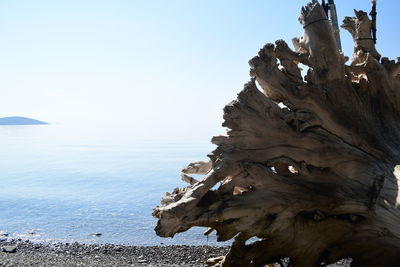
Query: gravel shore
{"points": [[64, 254], [25, 253]]}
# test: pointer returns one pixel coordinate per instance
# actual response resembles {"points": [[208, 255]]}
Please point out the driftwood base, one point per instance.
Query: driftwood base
{"points": [[310, 165]]}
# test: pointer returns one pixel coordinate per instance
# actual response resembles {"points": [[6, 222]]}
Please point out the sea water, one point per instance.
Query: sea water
{"points": [[57, 186]]}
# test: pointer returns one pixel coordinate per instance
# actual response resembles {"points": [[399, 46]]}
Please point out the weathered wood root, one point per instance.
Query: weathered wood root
{"points": [[315, 181]]}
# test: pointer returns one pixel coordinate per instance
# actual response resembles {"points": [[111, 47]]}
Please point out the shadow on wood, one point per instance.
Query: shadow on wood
{"points": [[315, 179]]}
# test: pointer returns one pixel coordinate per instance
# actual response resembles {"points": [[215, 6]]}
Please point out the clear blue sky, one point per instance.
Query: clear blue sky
{"points": [[148, 67]]}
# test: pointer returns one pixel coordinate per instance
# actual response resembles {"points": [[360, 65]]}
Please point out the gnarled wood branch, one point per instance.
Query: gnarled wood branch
{"points": [[315, 181]]}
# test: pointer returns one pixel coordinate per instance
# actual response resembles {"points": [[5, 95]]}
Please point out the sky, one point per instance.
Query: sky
{"points": [[151, 68]]}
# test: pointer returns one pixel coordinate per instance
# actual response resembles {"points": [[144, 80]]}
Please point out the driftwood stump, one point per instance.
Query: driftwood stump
{"points": [[315, 179]]}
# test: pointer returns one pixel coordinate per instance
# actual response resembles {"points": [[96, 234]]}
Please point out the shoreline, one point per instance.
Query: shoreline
{"points": [[28, 253], [21, 253]]}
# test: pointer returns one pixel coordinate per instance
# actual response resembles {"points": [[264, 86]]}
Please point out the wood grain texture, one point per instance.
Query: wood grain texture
{"points": [[315, 179]]}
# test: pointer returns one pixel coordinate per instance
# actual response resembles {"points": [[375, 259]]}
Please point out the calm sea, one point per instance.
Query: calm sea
{"points": [[59, 186]]}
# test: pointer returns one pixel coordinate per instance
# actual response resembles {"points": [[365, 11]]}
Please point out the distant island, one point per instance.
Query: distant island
{"points": [[20, 121]]}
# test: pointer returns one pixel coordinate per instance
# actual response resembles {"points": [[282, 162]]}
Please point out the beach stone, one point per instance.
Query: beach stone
{"points": [[9, 249]]}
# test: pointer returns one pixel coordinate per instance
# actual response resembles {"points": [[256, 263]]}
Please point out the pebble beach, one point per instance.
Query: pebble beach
{"points": [[20, 253], [26, 253]]}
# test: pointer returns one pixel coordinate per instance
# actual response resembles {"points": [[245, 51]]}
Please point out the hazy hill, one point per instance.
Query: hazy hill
{"points": [[20, 121]]}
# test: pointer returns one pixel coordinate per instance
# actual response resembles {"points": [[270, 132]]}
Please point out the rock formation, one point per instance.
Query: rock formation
{"points": [[310, 165]]}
